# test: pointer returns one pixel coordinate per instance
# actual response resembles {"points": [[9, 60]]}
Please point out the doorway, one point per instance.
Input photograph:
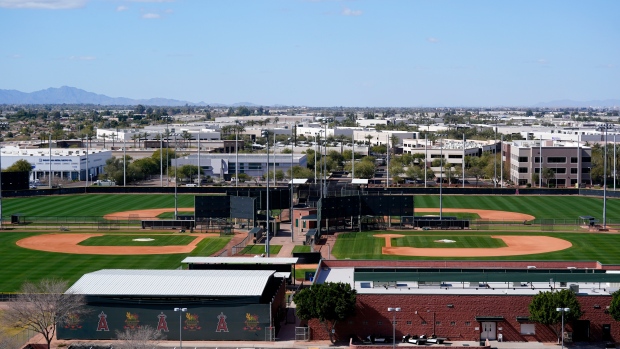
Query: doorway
{"points": [[488, 330]]}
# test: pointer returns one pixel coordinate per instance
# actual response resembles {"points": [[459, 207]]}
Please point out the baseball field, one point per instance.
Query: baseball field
{"points": [[21, 263]]}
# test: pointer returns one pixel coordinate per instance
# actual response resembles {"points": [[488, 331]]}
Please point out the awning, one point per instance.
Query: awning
{"points": [[523, 318], [489, 318]]}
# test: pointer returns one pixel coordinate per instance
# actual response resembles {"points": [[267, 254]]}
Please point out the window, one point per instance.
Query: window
{"points": [[536, 159], [556, 159], [379, 322], [523, 159], [255, 166], [586, 159], [523, 170], [467, 323], [529, 329], [452, 323], [455, 156], [296, 223], [423, 322], [436, 156], [437, 323], [574, 160], [365, 322], [585, 170], [573, 170], [559, 170], [408, 322]]}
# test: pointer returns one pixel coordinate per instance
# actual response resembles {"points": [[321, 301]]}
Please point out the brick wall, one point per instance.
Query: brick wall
{"points": [[430, 314]]}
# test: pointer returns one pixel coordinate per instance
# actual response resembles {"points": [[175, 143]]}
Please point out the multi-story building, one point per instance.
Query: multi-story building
{"points": [[569, 162], [68, 164]]}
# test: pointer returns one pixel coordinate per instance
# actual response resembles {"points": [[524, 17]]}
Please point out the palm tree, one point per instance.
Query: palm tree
{"points": [[104, 136], [134, 137]]}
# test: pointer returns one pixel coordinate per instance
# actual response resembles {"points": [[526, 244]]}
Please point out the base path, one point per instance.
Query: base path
{"points": [[68, 243], [516, 246], [491, 215]]}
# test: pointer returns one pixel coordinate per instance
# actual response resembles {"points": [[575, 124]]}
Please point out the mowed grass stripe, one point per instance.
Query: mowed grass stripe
{"points": [[209, 246], [129, 240]]}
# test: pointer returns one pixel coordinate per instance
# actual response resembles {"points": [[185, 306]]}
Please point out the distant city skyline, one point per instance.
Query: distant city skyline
{"points": [[365, 53]]}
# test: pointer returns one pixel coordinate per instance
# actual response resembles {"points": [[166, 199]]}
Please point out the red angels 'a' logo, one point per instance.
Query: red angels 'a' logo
{"points": [[162, 325], [102, 325], [221, 323]]}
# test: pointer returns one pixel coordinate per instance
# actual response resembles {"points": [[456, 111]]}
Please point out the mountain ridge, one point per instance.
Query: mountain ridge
{"points": [[74, 95]]}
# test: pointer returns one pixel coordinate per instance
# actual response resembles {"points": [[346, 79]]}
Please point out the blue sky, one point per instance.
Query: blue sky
{"points": [[317, 52]]}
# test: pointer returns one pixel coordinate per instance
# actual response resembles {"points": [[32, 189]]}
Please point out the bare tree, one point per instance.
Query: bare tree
{"points": [[144, 337], [42, 306]]}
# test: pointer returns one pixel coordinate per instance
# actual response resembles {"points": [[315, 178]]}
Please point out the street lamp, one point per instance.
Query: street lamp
{"points": [[181, 311], [394, 310], [563, 310], [604, 128]]}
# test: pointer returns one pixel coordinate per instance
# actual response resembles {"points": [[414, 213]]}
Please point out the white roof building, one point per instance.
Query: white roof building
{"points": [[139, 282]]}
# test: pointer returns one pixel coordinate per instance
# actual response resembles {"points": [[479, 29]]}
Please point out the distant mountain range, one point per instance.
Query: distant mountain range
{"points": [[72, 95]]}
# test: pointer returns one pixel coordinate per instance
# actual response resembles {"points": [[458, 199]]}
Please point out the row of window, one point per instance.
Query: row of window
{"points": [[560, 170], [556, 159]]}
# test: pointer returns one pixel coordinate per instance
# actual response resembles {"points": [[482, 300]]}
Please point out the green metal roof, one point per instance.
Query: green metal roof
{"points": [[483, 275]]}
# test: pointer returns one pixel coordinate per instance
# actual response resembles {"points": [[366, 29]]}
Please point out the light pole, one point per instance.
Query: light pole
{"points": [[266, 135], [604, 179], [562, 310], [393, 310], [181, 311]]}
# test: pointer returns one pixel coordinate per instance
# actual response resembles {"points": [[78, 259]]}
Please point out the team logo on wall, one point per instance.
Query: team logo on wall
{"points": [[222, 326], [73, 322], [102, 324], [132, 321], [162, 325], [251, 322], [191, 322]]}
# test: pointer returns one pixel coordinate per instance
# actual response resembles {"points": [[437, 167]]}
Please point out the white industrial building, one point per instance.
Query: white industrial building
{"points": [[69, 163], [254, 165]]}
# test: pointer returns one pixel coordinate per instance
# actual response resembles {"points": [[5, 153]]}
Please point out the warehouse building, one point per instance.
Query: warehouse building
{"points": [[210, 304]]}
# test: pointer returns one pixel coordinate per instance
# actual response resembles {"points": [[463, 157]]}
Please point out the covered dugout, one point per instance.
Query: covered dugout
{"points": [[221, 304]]}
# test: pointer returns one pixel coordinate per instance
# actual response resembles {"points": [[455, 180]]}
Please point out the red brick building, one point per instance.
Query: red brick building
{"points": [[469, 300]]}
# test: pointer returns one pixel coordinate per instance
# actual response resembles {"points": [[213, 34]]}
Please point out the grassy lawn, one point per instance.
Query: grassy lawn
{"points": [[129, 240], [302, 249], [260, 249], [300, 274], [604, 248]]}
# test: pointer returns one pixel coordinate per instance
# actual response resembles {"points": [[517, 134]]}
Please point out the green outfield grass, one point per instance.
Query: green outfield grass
{"points": [[559, 207], [302, 249], [260, 249], [129, 240], [20, 264], [207, 247], [604, 248]]}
